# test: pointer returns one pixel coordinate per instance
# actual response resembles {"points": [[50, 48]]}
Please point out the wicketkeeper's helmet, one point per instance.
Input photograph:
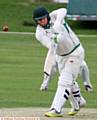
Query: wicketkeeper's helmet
{"points": [[40, 12]]}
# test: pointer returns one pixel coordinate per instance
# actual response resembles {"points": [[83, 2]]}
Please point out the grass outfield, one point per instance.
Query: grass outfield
{"points": [[16, 13], [21, 72], [22, 57]]}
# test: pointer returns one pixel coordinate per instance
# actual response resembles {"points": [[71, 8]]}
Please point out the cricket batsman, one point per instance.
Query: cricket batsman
{"points": [[68, 53]]}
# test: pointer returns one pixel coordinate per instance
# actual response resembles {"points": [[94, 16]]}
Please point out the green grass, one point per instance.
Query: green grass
{"points": [[22, 57], [90, 45], [21, 72], [15, 13]]}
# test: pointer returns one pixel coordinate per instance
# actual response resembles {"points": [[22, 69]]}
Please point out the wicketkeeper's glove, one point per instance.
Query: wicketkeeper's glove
{"points": [[88, 88]]}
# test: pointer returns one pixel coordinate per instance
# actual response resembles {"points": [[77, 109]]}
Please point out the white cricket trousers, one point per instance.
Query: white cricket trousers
{"points": [[69, 68]]}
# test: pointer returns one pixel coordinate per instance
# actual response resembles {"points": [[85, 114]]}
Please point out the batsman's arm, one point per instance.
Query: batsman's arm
{"points": [[43, 39]]}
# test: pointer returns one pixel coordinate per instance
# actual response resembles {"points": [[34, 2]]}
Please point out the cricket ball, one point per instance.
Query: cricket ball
{"points": [[5, 28]]}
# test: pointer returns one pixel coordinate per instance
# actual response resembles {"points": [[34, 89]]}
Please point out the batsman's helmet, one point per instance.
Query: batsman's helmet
{"points": [[40, 12]]}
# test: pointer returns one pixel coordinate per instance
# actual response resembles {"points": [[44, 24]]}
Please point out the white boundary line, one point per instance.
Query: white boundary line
{"points": [[85, 35], [19, 33], [32, 33]]}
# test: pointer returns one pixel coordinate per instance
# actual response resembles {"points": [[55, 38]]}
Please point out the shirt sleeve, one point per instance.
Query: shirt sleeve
{"points": [[43, 38], [58, 15]]}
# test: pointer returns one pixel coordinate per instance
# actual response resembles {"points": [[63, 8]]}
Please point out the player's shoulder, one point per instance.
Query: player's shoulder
{"points": [[39, 31]]}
